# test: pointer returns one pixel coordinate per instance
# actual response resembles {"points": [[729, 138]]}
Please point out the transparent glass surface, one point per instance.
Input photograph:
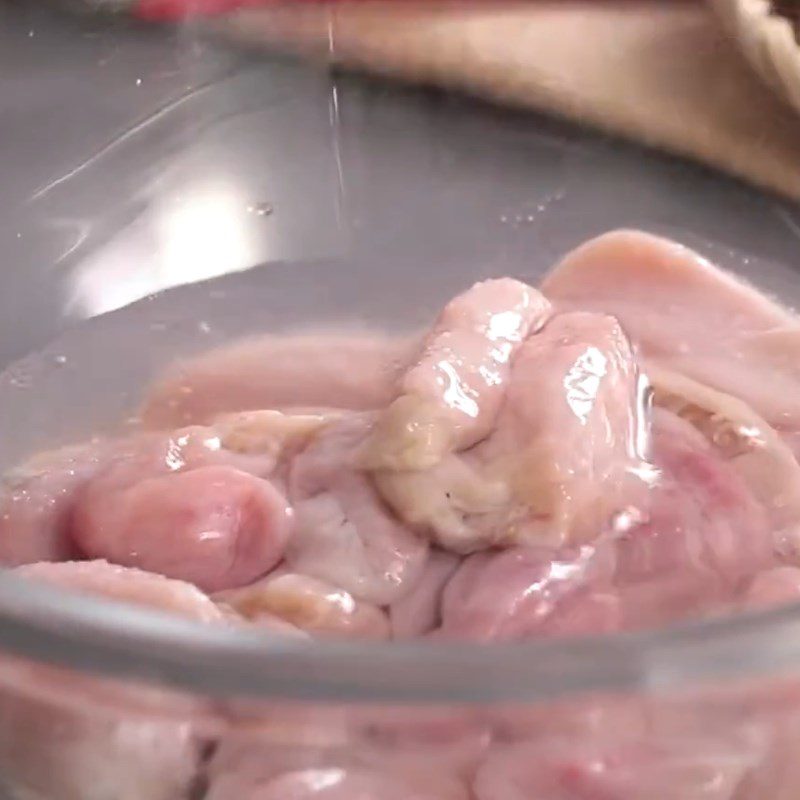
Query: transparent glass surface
{"points": [[164, 193]]}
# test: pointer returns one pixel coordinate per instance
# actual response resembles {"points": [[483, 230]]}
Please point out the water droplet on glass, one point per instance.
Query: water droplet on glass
{"points": [[60, 360], [262, 209], [203, 327], [30, 34], [20, 380], [138, 81]]}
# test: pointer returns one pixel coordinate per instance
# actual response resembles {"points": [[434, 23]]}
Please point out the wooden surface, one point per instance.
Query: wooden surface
{"points": [[665, 74]]}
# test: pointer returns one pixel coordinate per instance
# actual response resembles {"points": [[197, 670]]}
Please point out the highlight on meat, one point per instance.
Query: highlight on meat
{"points": [[570, 459]]}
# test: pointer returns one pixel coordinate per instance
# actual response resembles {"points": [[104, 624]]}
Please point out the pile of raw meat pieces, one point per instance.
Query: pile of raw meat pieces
{"points": [[612, 451]]}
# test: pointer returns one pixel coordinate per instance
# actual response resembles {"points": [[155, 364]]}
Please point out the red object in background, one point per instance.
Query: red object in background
{"points": [[167, 10], [171, 10]]}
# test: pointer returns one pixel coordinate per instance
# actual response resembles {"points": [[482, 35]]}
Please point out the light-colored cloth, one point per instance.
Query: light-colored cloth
{"points": [[662, 73]]}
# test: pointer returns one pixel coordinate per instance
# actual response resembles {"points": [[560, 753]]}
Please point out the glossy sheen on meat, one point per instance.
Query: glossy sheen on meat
{"points": [[38, 499], [567, 453], [337, 783], [401, 770], [522, 592], [621, 455], [217, 527], [450, 397], [183, 505], [572, 438], [706, 324]]}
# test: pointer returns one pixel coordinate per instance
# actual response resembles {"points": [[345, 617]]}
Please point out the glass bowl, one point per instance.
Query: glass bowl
{"points": [[134, 216]]}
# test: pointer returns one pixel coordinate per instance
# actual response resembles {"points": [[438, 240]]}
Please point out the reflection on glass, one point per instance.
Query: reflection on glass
{"points": [[201, 234]]}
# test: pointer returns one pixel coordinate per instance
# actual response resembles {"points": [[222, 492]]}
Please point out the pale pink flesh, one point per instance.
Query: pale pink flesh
{"points": [[702, 534], [357, 372], [337, 783], [417, 769], [698, 540], [518, 593], [81, 692], [777, 776], [127, 584], [309, 604], [418, 612], [216, 527], [440, 747], [450, 397], [757, 453], [686, 557], [344, 535], [705, 324], [572, 437], [607, 768], [52, 754], [38, 500], [36, 504], [87, 753], [567, 452], [773, 587]]}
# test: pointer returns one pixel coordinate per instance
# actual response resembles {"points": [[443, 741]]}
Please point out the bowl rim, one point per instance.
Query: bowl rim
{"points": [[115, 640], [111, 639]]}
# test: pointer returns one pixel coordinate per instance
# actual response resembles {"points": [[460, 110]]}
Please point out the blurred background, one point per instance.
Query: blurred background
{"points": [[138, 156]]}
